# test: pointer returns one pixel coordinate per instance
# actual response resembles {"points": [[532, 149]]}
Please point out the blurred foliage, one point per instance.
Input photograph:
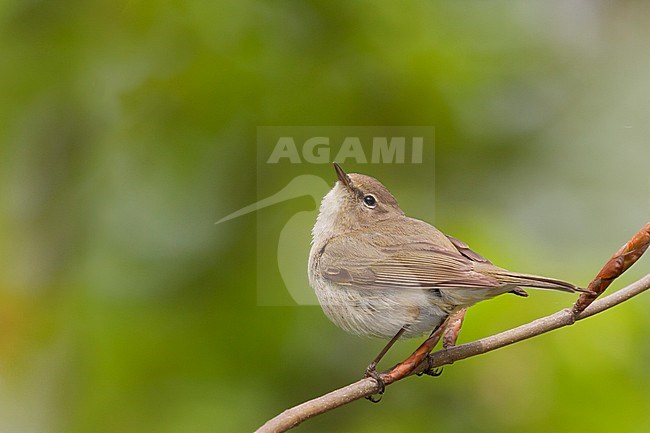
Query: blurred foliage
{"points": [[129, 127]]}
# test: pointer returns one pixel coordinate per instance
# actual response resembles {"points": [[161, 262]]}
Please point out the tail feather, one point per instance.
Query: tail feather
{"points": [[535, 281]]}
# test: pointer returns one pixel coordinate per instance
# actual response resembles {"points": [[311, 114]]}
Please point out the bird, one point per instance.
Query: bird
{"points": [[377, 272]]}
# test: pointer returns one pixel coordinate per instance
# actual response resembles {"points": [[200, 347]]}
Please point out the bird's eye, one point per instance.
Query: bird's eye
{"points": [[370, 201]]}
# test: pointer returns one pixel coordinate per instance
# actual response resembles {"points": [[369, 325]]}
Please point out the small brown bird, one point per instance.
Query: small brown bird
{"points": [[377, 272]]}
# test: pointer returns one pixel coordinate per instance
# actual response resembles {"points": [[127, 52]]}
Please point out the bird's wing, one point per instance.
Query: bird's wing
{"points": [[373, 261], [465, 250]]}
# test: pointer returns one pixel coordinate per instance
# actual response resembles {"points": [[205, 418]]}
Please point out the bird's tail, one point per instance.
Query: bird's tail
{"points": [[535, 281]]}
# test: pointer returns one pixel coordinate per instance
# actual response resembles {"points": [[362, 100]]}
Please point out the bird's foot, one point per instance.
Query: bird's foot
{"points": [[435, 372], [371, 372], [431, 371]]}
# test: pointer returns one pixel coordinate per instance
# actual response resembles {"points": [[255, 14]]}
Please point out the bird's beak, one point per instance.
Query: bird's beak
{"points": [[344, 178]]}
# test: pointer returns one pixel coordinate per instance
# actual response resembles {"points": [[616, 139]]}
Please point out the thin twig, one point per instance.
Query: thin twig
{"points": [[419, 361], [366, 387], [620, 262]]}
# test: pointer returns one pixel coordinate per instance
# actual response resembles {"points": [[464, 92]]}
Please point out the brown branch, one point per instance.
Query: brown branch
{"points": [[620, 262], [421, 360]]}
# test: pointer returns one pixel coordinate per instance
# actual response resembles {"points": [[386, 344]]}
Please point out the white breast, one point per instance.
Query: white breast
{"points": [[327, 216]]}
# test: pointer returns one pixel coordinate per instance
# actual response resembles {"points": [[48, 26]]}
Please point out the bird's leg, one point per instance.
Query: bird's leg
{"points": [[371, 370], [373, 364]]}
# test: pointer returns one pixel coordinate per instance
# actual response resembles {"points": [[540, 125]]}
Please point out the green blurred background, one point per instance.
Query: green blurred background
{"points": [[128, 128]]}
